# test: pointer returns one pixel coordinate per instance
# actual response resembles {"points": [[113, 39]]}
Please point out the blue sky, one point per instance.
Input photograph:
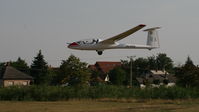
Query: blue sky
{"points": [[26, 26]]}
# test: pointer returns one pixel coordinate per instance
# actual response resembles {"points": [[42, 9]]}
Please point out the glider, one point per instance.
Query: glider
{"points": [[100, 45]]}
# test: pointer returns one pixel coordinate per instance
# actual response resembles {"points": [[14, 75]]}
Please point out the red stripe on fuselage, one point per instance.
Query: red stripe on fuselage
{"points": [[74, 44]]}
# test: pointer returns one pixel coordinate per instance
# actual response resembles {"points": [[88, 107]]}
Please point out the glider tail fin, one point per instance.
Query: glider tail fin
{"points": [[153, 39]]}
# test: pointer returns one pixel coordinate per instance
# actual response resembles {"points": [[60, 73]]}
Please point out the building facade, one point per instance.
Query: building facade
{"points": [[14, 77]]}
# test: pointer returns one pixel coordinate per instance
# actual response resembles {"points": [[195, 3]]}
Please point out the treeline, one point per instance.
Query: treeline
{"points": [[187, 75], [73, 72], [73, 80], [59, 93], [140, 66]]}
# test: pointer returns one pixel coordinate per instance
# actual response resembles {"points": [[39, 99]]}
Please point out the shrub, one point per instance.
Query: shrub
{"points": [[55, 93]]}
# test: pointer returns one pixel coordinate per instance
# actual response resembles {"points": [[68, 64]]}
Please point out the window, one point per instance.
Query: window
{"points": [[25, 83], [10, 83]]}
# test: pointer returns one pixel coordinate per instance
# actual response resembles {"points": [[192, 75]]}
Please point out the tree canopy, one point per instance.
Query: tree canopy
{"points": [[39, 69], [74, 72], [20, 65], [188, 74], [117, 76], [163, 62]]}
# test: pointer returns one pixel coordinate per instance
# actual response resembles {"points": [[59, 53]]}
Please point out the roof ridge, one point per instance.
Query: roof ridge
{"points": [[13, 73]]}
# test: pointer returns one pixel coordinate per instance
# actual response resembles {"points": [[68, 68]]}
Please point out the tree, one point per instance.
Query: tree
{"points": [[188, 75], [74, 72], [39, 69], [126, 66], [164, 63], [141, 66], [95, 77], [189, 62], [52, 76], [117, 76], [152, 63], [2, 69], [20, 65]]}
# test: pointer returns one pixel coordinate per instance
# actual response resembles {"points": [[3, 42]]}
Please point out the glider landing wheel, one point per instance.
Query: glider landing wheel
{"points": [[99, 52]]}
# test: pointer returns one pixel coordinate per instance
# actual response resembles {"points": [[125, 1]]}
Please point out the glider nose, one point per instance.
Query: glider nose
{"points": [[74, 44]]}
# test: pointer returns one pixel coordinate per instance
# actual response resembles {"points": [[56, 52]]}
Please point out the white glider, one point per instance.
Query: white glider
{"points": [[111, 43]]}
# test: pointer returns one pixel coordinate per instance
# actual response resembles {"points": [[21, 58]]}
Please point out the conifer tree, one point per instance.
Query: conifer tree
{"points": [[39, 69], [188, 75]]}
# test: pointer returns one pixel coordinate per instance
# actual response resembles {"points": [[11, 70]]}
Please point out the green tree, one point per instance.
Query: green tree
{"points": [[20, 65], [141, 66], [164, 62], [39, 69], [54, 74], [95, 77], [117, 76], [74, 72], [188, 75], [126, 66], [152, 63], [2, 69], [51, 78], [189, 62]]}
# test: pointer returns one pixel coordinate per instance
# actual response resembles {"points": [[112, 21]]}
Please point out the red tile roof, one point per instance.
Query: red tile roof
{"points": [[92, 67], [105, 66]]}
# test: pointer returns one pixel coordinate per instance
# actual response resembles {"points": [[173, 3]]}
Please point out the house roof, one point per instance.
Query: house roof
{"points": [[158, 72], [92, 67], [106, 66], [157, 75], [12, 73]]}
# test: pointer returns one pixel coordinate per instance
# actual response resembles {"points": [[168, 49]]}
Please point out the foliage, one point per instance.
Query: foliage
{"points": [[141, 66], [188, 75], [152, 63], [117, 76], [2, 69], [20, 65], [74, 72], [95, 77], [39, 69], [164, 62], [159, 62], [58, 93], [126, 67], [53, 74]]}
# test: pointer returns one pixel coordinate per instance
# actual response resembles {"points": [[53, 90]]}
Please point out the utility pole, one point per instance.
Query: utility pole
{"points": [[131, 76]]}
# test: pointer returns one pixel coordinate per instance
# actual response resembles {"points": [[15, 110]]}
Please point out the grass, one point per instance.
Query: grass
{"points": [[102, 105]]}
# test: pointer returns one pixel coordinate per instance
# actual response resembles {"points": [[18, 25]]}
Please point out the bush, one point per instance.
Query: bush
{"points": [[55, 93]]}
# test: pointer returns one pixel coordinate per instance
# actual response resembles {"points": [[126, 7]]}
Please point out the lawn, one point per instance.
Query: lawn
{"points": [[102, 105]]}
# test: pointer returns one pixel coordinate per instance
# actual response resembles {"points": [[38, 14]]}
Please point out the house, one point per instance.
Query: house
{"points": [[104, 67], [155, 78], [14, 77]]}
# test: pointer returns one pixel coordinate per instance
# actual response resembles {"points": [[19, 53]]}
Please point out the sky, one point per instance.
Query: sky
{"points": [[27, 26]]}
